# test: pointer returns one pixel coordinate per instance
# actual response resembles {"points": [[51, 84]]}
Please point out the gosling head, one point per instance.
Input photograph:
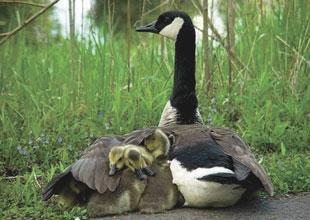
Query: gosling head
{"points": [[157, 144], [168, 24], [133, 157], [116, 159], [135, 160]]}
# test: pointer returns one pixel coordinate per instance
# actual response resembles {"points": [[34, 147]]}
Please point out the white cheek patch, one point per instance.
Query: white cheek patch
{"points": [[172, 30]]}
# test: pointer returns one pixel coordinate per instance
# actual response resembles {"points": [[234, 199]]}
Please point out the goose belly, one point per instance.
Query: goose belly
{"points": [[201, 193]]}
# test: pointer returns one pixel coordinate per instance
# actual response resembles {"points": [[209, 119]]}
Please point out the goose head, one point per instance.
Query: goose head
{"points": [[182, 108], [169, 24]]}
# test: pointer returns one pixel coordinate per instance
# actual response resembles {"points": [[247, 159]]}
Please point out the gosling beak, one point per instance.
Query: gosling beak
{"points": [[148, 28], [148, 171], [113, 170], [140, 175]]}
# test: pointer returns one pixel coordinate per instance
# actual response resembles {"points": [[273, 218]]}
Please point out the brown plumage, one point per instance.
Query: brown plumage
{"points": [[92, 169], [154, 194]]}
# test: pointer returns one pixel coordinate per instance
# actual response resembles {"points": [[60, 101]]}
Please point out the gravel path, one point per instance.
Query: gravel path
{"points": [[279, 207]]}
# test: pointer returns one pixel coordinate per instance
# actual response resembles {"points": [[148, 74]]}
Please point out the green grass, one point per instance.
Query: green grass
{"points": [[54, 101]]}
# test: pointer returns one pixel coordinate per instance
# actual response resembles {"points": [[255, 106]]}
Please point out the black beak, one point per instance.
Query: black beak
{"points": [[140, 175], [148, 28], [113, 170]]}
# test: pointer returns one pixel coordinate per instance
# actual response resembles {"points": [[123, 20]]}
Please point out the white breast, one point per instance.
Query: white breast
{"points": [[200, 193]]}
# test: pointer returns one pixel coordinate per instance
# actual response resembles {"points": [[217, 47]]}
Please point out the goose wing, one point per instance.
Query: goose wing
{"points": [[244, 161], [138, 136], [93, 167], [231, 144]]}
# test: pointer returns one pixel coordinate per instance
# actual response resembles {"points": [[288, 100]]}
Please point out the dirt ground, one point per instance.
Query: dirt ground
{"points": [[279, 207]]}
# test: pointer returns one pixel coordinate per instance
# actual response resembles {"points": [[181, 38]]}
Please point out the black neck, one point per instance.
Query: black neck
{"points": [[183, 96]]}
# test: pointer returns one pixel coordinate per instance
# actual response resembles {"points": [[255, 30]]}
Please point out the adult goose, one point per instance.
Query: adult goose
{"points": [[211, 167], [182, 108], [219, 168]]}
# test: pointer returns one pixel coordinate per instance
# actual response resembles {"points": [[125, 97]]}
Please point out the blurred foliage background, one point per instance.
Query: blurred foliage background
{"points": [[80, 72]]}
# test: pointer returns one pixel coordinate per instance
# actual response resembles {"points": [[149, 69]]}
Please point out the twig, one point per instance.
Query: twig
{"points": [[230, 40], [128, 45], [22, 3], [207, 51], [293, 49], [28, 21], [155, 8], [12, 177], [221, 41], [4, 34], [209, 35], [236, 59], [36, 179]]}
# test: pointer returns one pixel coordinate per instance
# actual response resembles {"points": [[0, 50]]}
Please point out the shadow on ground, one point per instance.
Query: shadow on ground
{"points": [[279, 207]]}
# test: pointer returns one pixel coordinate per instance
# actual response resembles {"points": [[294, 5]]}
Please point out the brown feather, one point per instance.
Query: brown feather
{"points": [[93, 167], [232, 145]]}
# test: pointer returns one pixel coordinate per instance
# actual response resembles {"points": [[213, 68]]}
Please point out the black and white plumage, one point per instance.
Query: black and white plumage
{"points": [[200, 169], [182, 108], [213, 167]]}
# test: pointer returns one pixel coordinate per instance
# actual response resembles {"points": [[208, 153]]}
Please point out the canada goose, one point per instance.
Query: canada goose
{"points": [[156, 145], [135, 157], [116, 159], [148, 196], [72, 193], [210, 166], [182, 108], [122, 192]]}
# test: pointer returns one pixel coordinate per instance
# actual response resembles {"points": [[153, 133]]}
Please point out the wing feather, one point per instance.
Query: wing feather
{"points": [[232, 145]]}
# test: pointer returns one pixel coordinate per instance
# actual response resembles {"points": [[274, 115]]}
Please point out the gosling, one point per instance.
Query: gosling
{"points": [[147, 196], [139, 158], [135, 157]]}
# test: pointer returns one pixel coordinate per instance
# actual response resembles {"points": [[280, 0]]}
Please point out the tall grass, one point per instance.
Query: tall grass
{"points": [[53, 101]]}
